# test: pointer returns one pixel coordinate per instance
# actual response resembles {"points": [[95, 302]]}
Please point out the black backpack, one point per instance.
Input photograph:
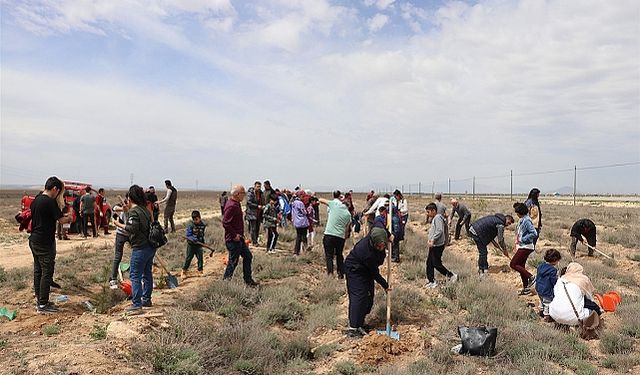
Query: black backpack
{"points": [[157, 238]]}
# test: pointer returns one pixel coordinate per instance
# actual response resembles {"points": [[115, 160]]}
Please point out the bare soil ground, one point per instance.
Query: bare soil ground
{"points": [[294, 322]]}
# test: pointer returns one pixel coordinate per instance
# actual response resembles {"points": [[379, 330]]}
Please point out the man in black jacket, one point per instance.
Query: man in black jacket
{"points": [[586, 228]]}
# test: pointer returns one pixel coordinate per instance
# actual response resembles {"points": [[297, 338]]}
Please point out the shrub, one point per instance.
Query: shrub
{"points": [[322, 315], [176, 360], [615, 343], [227, 298], [246, 366], [621, 362], [51, 330], [634, 257], [346, 368], [98, 332], [325, 351], [273, 268], [629, 313]]}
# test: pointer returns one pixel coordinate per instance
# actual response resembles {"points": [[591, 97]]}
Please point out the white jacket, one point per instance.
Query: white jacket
{"points": [[560, 308]]}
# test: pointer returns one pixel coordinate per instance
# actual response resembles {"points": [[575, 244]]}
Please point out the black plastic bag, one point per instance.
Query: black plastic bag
{"points": [[478, 341]]}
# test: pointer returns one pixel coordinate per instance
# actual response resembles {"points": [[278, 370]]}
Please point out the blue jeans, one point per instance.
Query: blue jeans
{"points": [[140, 275], [483, 263], [236, 250]]}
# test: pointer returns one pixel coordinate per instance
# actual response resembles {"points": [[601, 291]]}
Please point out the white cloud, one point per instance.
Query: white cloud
{"points": [[380, 4], [474, 85], [377, 22]]}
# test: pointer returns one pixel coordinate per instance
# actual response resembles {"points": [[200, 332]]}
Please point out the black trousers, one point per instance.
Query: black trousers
{"points": [[117, 255], [360, 289], [333, 246], [589, 304], [463, 221], [86, 218], [434, 261], [301, 237], [395, 250], [254, 231], [272, 238], [44, 261]]}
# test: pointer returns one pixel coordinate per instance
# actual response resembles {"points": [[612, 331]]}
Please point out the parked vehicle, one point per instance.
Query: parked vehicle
{"points": [[72, 190]]}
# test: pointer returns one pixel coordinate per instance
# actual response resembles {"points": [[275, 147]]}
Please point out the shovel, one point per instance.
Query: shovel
{"points": [[598, 251], [172, 281], [203, 245], [388, 332]]}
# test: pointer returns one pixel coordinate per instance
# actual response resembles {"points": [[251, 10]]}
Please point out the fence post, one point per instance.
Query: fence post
{"points": [[433, 186], [575, 172], [419, 188], [449, 186], [511, 185]]}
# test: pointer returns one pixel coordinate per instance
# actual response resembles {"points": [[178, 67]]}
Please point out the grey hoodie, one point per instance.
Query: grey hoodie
{"points": [[437, 230]]}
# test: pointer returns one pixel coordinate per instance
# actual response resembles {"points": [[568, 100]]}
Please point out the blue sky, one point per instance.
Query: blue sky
{"points": [[323, 93]]}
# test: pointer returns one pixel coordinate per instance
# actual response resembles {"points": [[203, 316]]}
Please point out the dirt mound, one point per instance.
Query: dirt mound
{"points": [[374, 348], [499, 269]]}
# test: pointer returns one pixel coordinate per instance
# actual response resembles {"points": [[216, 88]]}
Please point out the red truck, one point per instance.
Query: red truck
{"points": [[72, 190]]}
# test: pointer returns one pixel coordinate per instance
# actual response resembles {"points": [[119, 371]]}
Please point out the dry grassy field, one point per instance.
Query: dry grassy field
{"points": [[293, 323]]}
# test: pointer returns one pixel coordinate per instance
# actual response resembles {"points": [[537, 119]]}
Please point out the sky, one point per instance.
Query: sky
{"points": [[326, 94]]}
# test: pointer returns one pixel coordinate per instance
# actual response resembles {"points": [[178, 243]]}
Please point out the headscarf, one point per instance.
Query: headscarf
{"points": [[574, 275], [378, 236]]}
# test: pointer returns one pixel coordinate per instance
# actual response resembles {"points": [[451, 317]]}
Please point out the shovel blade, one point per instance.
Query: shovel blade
{"points": [[393, 334], [172, 281]]}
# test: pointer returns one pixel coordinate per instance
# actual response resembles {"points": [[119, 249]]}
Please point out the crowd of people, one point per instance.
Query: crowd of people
{"points": [[382, 220]]}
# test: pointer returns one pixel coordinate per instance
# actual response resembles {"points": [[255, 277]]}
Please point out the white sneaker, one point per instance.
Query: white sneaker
{"points": [[432, 285], [272, 251], [113, 284], [483, 275], [453, 278]]}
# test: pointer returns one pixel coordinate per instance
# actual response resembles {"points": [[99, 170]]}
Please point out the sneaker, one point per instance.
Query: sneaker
{"points": [[453, 278], [55, 285], [113, 284], [272, 251], [147, 304], [548, 319], [183, 274], [48, 308], [524, 292], [532, 282], [200, 273], [133, 310], [356, 332], [483, 274], [432, 285], [252, 283]]}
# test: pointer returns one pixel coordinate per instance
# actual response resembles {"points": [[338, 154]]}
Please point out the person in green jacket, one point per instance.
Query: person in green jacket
{"points": [[270, 218]]}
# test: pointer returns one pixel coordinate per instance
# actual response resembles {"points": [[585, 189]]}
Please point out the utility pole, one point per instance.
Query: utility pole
{"points": [[575, 173], [131, 178], [511, 185], [433, 187], [473, 188], [419, 188], [449, 186]]}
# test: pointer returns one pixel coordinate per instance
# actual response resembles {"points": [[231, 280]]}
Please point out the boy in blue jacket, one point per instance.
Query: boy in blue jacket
{"points": [[195, 237], [546, 280]]}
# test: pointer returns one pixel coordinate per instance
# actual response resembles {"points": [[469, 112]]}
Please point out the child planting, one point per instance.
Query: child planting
{"points": [[437, 241], [270, 217], [546, 280], [195, 239]]}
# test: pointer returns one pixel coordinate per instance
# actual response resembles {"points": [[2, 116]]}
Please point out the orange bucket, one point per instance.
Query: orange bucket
{"points": [[609, 301], [125, 286]]}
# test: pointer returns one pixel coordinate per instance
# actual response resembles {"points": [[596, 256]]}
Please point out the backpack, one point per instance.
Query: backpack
{"points": [[157, 237]]}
